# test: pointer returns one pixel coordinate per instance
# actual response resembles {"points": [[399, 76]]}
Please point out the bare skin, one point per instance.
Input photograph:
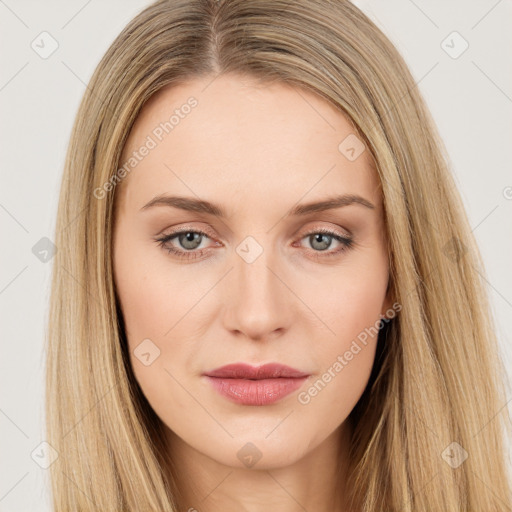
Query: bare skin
{"points": [[257, 152]]}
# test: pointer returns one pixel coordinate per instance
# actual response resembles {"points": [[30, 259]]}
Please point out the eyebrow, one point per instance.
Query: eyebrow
{"points": [[202, 206]]}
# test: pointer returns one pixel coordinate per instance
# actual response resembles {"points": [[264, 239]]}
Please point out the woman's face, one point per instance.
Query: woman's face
{"points": [[258, 275]]}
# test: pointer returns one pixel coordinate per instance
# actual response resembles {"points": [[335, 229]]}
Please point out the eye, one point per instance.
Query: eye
{"points": [[190, 239], [321, 239]]}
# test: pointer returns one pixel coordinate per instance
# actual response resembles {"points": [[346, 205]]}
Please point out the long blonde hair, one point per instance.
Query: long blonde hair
{"points": [[437, 378]]}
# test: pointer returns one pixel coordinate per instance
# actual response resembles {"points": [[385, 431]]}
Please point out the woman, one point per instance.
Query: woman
{"points": [[266, 290]]}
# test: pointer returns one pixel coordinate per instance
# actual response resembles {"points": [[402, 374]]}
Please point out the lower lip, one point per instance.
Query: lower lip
{"points": [[255, 392]]}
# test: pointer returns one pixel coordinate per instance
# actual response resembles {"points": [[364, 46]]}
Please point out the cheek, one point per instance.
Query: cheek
{"points": [[152, 298], [329, 398], [152, 305], [350, 305], [160, 316], [345, 361]]}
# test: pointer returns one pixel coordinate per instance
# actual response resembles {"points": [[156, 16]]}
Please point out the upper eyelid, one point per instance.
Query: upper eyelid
{"points": [[337, 230]]}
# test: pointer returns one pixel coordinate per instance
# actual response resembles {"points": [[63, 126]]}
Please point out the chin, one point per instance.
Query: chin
{"points": [[256, 452]]}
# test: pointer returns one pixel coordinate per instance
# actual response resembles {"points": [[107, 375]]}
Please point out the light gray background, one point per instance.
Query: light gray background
{"points": [[470, 98]]}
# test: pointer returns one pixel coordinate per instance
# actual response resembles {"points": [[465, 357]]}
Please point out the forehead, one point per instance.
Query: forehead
{"points": [[231, 136]]}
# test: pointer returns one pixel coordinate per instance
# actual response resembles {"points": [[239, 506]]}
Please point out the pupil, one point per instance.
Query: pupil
{"points": [[189, 240], [318, 238]]}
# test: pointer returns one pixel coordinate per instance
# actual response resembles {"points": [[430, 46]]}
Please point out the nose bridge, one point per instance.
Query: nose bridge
{"points": [[256, 282], [260, 301]]}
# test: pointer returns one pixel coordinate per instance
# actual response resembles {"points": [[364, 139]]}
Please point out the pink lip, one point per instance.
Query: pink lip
{"points": [[250, 385]]}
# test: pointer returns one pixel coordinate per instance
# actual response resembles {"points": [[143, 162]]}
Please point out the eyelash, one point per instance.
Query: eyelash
{"points": [[347, 243]]}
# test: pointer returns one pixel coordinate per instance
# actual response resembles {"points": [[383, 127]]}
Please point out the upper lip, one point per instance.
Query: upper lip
{"points": [[247, 371]]}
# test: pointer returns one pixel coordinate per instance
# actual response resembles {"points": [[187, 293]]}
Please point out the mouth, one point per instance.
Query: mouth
{"points": [[249, 385]]}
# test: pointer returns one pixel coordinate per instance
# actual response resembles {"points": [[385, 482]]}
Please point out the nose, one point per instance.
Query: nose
{"points": [[258, 303]]}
